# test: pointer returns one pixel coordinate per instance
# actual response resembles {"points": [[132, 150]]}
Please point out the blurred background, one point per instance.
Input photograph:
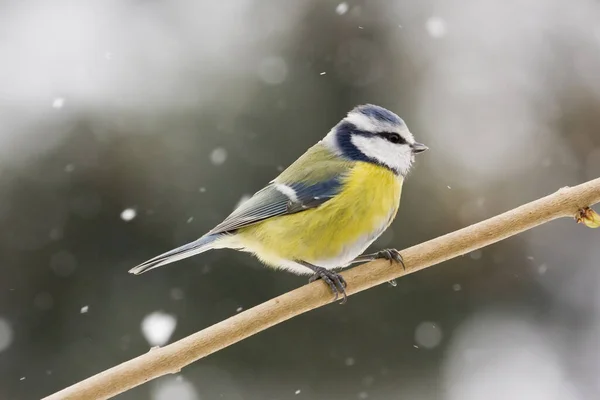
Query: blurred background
{"points": [[129, 127]]}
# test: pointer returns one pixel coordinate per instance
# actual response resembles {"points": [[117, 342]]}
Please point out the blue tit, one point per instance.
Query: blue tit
{"points": [[324, 210]]}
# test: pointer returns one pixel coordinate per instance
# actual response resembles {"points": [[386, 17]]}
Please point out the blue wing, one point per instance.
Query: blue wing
{"points": [[312, 180], [275, 199], [280, 199]]}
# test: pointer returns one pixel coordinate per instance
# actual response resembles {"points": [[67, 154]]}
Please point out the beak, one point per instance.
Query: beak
{"points": [[419, 147]]}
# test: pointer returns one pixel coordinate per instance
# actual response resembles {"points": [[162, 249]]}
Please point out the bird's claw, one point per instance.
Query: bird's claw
{"points": [[391, 255], [336, 282]]}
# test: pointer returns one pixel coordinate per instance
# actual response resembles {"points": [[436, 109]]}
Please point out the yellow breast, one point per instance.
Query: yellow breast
{"points": [[336, 230]]}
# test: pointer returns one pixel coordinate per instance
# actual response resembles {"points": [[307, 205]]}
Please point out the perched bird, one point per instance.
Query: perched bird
{"points": [[324, 210]]}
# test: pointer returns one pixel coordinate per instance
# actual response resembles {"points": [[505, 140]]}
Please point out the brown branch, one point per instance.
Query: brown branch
{"points": [[170, 359]]}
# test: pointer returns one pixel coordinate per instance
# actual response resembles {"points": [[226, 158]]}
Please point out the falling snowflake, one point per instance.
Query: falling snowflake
{"points": [[342, 8], [218, 156], [242, 200], [173, 388], [128, 214], [436, 27], [428, 334], [6, 334], [273, 70], [158, 327], [58, 103], [177, 293]]}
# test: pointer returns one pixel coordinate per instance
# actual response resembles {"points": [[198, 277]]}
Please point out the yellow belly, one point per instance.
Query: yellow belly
{"points": [[336, 230]]}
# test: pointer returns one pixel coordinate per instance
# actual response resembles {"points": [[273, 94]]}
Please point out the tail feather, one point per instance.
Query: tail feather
{"points": [[187, 250]]}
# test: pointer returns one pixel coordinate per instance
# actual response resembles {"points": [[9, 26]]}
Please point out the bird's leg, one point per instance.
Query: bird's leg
{"points": [[386, 254], [335, 281]]}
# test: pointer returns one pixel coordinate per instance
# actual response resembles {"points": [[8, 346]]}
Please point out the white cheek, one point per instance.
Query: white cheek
{"points": [[407, 158], [398, 157]]}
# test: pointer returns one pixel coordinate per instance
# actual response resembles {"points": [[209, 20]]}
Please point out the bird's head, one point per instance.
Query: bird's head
{"points": [[373, 134]]}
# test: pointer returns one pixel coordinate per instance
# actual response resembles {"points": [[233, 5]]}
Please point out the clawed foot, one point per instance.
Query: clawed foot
{"points": [[335, 281], [391, 255], [387, 254]]}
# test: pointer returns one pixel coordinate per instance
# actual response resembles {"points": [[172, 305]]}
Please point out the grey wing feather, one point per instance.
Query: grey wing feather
{"points": [[266, 203], [271, 202]]}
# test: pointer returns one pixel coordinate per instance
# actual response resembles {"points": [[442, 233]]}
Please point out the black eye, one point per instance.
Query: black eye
{"points": [[394, 138]]}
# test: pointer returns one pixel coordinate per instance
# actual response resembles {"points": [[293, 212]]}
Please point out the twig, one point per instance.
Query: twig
{"points": [[170, 359]]}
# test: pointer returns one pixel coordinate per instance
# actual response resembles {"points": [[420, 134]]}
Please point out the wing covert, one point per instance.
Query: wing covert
{"points": [[279, 199], [319, 177]]}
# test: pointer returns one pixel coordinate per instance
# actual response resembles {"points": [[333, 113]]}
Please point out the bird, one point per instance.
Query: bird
{"points": [[323, 211]]}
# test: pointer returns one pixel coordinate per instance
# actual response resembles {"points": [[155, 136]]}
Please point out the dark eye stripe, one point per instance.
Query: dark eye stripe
{"points": [[391, 136]]}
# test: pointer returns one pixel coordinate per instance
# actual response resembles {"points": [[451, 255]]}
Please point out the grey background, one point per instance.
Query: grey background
{"points": [[179, 109]]}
